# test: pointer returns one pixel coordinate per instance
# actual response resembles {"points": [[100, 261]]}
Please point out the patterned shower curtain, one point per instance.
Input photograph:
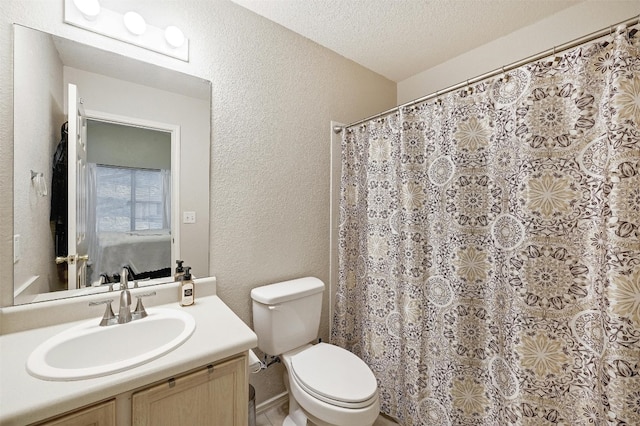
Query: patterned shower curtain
{"points": [[489, 247]]}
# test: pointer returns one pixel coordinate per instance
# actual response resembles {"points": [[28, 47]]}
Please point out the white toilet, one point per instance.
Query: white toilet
{"points": [[328, 385]]}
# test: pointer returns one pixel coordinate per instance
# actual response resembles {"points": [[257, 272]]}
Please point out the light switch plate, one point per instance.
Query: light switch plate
{"points": [[188, 217]]}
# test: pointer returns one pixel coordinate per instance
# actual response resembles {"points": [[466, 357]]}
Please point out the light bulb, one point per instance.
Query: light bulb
{"points": [[174, 36], [88, 8], [135, 23]]}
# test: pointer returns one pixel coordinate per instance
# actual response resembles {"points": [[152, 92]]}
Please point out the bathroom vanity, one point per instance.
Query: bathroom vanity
{"points": [[205, 377]]}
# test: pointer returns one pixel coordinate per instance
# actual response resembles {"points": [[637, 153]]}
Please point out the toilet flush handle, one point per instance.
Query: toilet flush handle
{"points": [[274, 307]]}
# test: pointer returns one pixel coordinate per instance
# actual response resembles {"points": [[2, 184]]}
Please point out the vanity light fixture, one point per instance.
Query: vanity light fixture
{"points": [[135, 23], [129, 27], [174, 36], [90, 9]]}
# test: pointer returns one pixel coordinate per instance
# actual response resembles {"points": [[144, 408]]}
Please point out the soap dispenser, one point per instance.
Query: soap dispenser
{"points": [[177, 276], [187, 288]]}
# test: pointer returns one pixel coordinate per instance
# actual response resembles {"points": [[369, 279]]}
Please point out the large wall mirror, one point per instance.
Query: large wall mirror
{"points": [[111, 158]]}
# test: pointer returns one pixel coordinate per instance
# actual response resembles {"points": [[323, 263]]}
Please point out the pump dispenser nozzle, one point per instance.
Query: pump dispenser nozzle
{"points": [[179, 270]]}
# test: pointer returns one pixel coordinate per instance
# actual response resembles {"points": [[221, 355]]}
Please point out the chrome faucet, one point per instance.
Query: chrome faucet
{"points": [[124, 313]]}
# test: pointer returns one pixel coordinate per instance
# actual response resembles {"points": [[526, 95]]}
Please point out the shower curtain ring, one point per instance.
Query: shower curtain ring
{"points": [[505, 76], [438, 100], [632, 33]]}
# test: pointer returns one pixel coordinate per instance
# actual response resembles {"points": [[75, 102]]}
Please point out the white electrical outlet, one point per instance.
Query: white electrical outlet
{"points": [[188, 217], [16, 248]]}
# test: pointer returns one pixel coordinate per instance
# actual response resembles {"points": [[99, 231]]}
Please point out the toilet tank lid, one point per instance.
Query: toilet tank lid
{"points": [[287, 290]]}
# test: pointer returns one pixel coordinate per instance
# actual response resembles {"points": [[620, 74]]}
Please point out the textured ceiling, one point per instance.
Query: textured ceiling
{"points": [[401, 38]]}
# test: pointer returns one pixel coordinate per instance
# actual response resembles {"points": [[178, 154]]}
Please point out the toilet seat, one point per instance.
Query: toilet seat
{"points": [[335, 376]]}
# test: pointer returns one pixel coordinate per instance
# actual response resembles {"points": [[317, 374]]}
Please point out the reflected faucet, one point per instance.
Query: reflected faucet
{"points": [[124, 313]]}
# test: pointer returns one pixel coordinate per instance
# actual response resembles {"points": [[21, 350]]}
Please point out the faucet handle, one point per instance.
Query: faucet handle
{"points": [[109, 317], [135, 283], [140, 312]]}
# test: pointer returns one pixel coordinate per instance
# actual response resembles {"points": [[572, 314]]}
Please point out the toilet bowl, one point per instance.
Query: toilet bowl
{"points": [[327, 384], [331, 386]]}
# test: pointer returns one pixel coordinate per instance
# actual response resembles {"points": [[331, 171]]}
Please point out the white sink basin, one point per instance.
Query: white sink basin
{"points": [[88, 350]]}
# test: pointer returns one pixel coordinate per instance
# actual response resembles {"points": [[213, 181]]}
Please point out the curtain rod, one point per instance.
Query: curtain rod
{"points": [[577, 42]]}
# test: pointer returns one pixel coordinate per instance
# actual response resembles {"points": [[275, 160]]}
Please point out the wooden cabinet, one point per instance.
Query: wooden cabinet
{"points": [[215, 395], [102, 414]]}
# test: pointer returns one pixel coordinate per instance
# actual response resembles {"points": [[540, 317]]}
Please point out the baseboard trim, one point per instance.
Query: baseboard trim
{"points": [[272, 402]]}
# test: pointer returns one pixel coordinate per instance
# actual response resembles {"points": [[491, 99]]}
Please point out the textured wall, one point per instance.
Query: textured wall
{"points": [[273, 99], [274, 94], [40, 126]]}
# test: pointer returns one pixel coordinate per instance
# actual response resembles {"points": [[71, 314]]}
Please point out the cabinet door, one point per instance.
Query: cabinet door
{"points": [[214, 396], [103, 414]]}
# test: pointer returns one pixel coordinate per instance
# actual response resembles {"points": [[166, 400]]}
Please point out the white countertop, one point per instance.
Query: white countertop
{"points": [[25, 399]]}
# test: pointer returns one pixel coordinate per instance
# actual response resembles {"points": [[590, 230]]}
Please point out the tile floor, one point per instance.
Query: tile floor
{"points": [[275, 416]]}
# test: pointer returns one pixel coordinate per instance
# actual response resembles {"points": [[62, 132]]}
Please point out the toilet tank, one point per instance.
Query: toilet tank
{"points": [[286, 315]]}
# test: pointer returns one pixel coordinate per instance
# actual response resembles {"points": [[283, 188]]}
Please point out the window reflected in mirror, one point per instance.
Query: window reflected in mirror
{"points": [[129, 173]]}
